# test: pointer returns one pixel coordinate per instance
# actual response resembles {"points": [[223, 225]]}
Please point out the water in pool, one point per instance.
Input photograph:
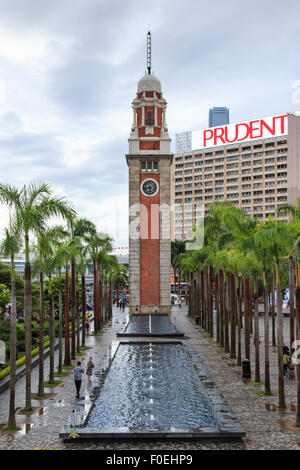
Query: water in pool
{"points": [[151, 385]]}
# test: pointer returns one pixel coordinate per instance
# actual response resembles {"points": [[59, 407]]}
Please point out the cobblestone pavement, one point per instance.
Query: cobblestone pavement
{"points": [[261, 426]]}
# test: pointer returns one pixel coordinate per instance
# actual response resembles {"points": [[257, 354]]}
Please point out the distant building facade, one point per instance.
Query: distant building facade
{"points": [[254, 164], [184, 142], [218, 116]]}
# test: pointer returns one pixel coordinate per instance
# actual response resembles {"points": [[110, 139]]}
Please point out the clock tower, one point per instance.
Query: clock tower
{"points": [[149, 161]]}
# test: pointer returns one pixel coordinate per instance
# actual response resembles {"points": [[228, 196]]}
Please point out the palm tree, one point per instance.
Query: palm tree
{"points": [[79, 228], [96, 242], [177, 247], [296, 253], [294, 213], [11, 245], [250, 241], [119, 278], [82, 265], [275, 235], [33, 205]]}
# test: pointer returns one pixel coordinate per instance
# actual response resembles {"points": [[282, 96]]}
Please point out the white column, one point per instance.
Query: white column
{"points": [[143, 115], [134, 117]]}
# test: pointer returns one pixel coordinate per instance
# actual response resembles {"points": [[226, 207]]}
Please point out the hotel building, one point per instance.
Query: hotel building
{"points": [[254, 164]]}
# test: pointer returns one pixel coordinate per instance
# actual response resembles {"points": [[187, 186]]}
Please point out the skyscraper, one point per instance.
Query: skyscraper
{"points": [[218, 116]]}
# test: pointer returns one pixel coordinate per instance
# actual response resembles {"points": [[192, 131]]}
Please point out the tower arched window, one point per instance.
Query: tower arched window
{"points": [[149, 119]]}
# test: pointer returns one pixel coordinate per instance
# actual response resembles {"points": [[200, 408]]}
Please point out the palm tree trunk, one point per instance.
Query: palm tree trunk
{"points": [[60, 325], [41, 390], [190, 294], [117, 292], [217, 304], [73, 309], [83, 304], [247, 315], [110, 299], [67, 361], [100, 300], [232, 315], [273, 312], [239, 322], [291, 299], [13, 349], [205, 299], [266, 328], [211, 301], [51, 333], [256, 332], [226, 317], [28, 324], [96, 321], [202, 299], [281, 394], [77, 323], [221, 288], [298, 339]]}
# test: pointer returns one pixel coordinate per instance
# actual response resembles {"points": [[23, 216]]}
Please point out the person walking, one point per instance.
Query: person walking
{"points": [[286, 362], [87, 326], [89, 368], [78, 371]]}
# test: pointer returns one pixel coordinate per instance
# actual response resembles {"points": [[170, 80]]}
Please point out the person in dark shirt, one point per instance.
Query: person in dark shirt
{"points": [[78, 371]]}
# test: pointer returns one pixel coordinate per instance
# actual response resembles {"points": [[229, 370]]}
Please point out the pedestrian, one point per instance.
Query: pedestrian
{"points": [[78, 371], [285, 349], [136, 309], [286, 363], [123, 304], [155, 309], [89, 368], [87, 326]]}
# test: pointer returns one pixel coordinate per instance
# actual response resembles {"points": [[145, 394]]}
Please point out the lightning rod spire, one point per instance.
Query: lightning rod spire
{"points": [[149, 52]]}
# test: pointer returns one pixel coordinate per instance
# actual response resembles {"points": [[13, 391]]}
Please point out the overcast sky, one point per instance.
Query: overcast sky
{"points": [[69, 69]]}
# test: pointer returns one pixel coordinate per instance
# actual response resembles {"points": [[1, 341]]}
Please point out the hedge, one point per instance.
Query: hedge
{"points": [[21, 361]]}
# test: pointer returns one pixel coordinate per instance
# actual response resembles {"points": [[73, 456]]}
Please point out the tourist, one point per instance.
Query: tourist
{"points": [[87, 326], [78, 371], [155, 309], [285, 349], [136, 309], [89, 368], [123, 304], [286, 363]]}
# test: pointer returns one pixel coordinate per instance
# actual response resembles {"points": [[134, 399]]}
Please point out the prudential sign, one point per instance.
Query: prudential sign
{"points": [[240, 132]]}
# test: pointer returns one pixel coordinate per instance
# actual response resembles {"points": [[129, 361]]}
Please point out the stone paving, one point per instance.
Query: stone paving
{"points": [[261, 426]]}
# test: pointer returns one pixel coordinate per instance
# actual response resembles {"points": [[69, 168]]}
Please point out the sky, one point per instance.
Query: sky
{"points": [[69, 70]]}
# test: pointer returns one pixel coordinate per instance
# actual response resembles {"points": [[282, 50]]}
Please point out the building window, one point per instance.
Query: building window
{"points": [[149, 119], [153, 166]]}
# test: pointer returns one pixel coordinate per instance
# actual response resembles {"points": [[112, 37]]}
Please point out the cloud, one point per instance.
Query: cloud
{"points": [[69, 72]]}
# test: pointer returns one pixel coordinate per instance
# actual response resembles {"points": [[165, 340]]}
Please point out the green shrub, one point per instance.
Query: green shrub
{"points": [[21, 361]]}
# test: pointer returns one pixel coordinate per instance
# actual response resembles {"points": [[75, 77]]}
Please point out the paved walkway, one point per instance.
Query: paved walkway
{"points": [[262, 428]]}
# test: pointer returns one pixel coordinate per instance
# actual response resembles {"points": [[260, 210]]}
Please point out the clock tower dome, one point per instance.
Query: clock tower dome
{"points": [[149, 161]]}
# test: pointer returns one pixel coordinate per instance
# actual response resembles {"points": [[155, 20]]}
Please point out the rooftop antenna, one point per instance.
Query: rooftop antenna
{"points": [[149, 52]]}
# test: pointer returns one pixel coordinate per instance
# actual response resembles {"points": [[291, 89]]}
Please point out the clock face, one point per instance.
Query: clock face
{"points": [[149, 187]]}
